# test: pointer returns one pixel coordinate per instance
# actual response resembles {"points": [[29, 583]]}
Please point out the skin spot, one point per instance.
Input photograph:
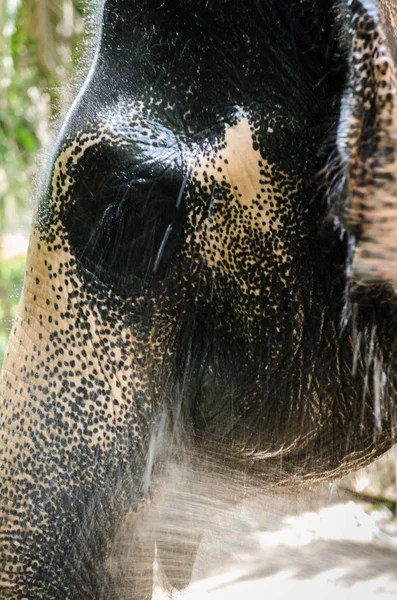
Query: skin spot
{"points": [[249, 199]]}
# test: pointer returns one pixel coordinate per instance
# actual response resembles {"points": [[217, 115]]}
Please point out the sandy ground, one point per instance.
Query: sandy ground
{"points": [[322, 545]]}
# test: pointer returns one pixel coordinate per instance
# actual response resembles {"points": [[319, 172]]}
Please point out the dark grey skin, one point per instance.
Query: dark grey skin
{"points": [[212, 259]]}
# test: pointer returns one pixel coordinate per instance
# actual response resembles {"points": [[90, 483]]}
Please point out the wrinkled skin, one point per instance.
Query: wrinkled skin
{"points": [[213, 257]]}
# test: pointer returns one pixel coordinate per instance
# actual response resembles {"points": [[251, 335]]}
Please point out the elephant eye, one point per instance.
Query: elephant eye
{"points": [[124, 218]]}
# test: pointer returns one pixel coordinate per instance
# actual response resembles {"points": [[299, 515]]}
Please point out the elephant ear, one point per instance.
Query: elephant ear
{"points": [[388, 13], [368, 140]]}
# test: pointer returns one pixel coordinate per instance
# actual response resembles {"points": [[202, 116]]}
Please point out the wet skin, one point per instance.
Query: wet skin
{"points": [[213, 255]]}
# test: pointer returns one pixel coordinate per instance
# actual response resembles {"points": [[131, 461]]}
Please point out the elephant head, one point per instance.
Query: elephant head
{"points": [[212, 259]]}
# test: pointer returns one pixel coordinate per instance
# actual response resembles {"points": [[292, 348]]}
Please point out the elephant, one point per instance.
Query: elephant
{"points": [[211, 272]]}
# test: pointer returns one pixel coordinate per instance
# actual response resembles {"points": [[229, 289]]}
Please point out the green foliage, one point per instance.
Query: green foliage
{"points": [[11, 279], [18, 135], [38, 42]]}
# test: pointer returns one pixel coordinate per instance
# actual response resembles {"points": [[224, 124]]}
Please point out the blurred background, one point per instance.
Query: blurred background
{"points": [[42, 42]]}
